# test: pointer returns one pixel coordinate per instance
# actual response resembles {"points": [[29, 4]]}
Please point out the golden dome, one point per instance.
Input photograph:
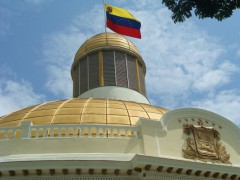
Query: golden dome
{"points": [[107, 40], [84, 111], [104, 40]]}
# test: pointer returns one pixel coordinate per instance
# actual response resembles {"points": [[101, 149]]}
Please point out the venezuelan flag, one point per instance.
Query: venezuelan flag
{"points": [[121, 21]]}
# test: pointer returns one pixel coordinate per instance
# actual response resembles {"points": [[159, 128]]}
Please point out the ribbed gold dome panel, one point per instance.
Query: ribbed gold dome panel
{"points": [[105, 40], [84, 111]]}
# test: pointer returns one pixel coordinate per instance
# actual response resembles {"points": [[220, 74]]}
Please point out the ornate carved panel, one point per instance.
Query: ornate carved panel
{"points": [[204, 143]]}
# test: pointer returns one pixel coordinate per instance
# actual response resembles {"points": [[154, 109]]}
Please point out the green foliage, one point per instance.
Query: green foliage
{"points": [[218, 9]]}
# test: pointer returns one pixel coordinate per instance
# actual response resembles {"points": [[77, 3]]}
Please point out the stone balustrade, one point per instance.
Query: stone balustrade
{"points": [[28, 131]]}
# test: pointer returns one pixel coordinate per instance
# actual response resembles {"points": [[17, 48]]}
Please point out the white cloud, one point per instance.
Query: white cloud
{"points": [[225, 103], [15, 93], [60, 48], [180, 57], [215, 78], [59, 54]]}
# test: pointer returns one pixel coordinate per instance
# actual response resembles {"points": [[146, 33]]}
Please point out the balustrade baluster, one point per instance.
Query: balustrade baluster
{"points": [[37, 133], [45, 132], [118, 133], [51, 132], [97, 132], [105, 132], [82, 131], [111, 132], [74, 130], [126, 132], [59, 134]]}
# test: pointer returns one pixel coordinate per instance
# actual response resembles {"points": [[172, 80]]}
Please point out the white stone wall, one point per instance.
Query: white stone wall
{"points": [[150, 143]]}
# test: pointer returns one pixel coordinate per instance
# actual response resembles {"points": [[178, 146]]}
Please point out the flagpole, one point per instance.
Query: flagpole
{"points": [[105, 19], [105, 26]]}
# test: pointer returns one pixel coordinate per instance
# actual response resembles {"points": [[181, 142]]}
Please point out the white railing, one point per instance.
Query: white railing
{"points": [[27, 131]]}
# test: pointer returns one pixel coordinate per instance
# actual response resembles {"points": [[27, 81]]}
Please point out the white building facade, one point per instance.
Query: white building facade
{"points": [[109, 130]]}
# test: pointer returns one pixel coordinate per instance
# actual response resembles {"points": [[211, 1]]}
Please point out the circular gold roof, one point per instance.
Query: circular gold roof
{"points": [[105, 40], [84, 111]]}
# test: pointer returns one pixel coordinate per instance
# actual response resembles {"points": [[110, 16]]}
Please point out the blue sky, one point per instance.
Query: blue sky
{"points": [[190, 64]]}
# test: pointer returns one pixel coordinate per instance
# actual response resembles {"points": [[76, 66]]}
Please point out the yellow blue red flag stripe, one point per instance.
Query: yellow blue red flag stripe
{"points": [[121, 21]]}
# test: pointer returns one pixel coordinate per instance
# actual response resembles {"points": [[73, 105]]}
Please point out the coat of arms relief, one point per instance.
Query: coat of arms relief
{"points": [[204, 143]]}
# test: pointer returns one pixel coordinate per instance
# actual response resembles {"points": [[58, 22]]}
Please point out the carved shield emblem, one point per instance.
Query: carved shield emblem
{"points": [[203, 143]]}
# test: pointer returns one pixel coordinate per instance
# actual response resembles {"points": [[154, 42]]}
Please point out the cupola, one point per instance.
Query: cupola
{"points": [[110, 66]]}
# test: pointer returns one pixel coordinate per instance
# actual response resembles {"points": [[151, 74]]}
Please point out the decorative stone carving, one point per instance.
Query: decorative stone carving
{"points": [[204, 143]]}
